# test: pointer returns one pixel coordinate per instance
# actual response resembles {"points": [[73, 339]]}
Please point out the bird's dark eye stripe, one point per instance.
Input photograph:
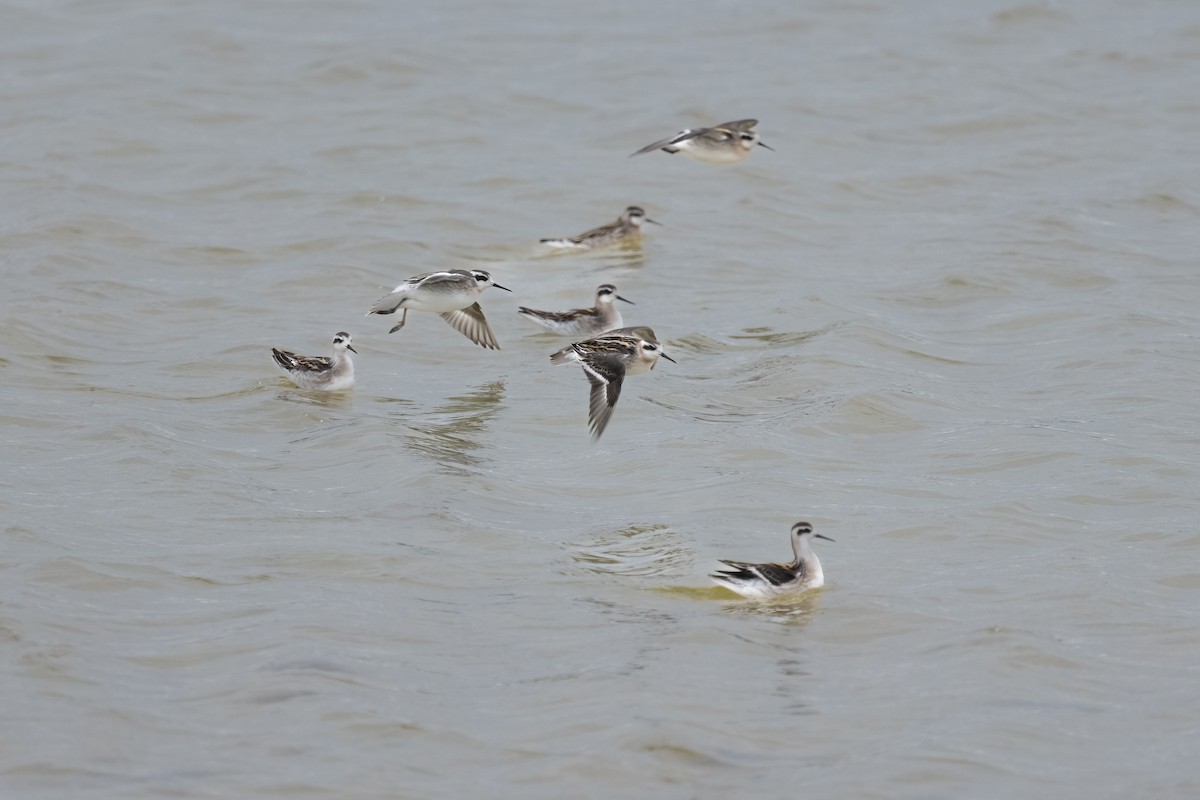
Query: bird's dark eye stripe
{"points": [[651, 347]]}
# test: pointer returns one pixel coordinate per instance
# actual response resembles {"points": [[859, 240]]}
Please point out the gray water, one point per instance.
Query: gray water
{"points": [[951, 321]]}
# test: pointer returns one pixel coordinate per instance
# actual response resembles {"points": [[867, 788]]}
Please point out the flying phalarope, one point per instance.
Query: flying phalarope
{"points": [[628, 225], [606, 360], [727, 143], [320, 372], [582, 321], [765, 581], [451, 294]]}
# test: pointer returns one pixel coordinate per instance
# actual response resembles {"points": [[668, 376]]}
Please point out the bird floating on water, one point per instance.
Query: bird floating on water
{"points": [[604, 316], [767, 581], [320, 372], [628, 227]]}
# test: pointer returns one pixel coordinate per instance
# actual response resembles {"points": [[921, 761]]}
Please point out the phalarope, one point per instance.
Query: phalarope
{"points": [[765, 581], [451, 294], [627, 225], [727, 143], [606, 360], [582, 321], [320, 372]]}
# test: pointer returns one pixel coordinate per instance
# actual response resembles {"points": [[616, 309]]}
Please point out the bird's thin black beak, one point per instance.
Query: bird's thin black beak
{"points": [[651, 221], [823, 536], [350, 347], [498, 286], [764, 144], [668, 358], [622, 299]]}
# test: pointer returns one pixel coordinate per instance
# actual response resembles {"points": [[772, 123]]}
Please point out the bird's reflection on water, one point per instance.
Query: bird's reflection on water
{"points": [[790, 610], [338, 400], [793, 610], [449, 434], [628, 256]]}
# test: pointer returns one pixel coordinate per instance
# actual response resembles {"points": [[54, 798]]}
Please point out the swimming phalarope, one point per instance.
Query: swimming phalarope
{"points": [[727, 143], [765, 581], [451, 294], [606, 360], [320, 372], [627, 225], [582, 321]]}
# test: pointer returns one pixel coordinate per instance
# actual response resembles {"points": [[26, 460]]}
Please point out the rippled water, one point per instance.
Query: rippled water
{"points": [[952, 321]]}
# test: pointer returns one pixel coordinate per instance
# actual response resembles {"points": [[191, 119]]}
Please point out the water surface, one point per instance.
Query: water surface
{"points": [[951, 321]]}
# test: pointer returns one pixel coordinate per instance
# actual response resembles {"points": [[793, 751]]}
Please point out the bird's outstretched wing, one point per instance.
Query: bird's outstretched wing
{"points": [[471, 323], [605, 373]]}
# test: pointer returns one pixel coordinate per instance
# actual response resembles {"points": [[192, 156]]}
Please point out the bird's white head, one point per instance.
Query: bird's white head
{"points": [[484, 280], [747, 139], [650, 350], [607, 293], [635, 216], [801, 533]]}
